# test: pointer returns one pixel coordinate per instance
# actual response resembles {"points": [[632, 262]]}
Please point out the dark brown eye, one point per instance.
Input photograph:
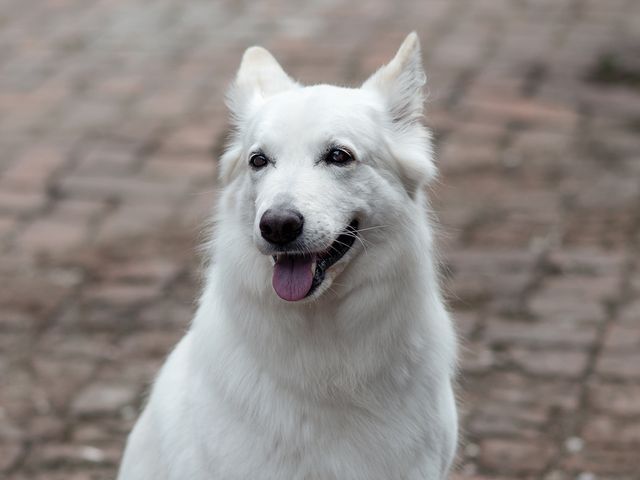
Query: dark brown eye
{"points": [[339, 156], [258, 160]]}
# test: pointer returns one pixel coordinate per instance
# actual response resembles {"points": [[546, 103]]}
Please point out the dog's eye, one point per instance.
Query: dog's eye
{"points": [[258, 160], [339, 156]]}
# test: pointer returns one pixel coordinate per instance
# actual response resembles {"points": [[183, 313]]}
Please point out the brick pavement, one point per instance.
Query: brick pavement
{"points": [[111, 115]]}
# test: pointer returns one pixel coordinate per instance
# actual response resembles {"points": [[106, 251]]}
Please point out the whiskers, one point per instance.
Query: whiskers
{"points": [[355, 237], [374, 227], [357, 234]]}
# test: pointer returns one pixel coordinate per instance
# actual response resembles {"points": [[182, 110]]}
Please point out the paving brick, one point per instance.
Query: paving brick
{"points": [[108, 159], [7, 225], [10, 454], [60, 378], [59, 455], [154, 271], [523, 110], [179, 167], [22, 203], [34, 168], [455, 157], [476, 358], [622, 365], [512, 456], [555, 363], [605, 430], [622, 337], [547, 333], [618, 400], [78, 210], [117, 188], [605, 462], [101, 399], [630, 314], [191, 138], [52, 236], [500, 420], [121, 294], [130, 220]]}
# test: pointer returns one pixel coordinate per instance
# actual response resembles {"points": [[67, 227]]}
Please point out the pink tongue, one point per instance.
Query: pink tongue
{"points": [[292, 276]]}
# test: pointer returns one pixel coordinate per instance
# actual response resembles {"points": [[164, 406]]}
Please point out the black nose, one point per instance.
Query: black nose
{"points": [[281, 226]]}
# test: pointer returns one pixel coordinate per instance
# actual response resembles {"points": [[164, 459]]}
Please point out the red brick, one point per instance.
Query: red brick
{"points": [[554, 305], [476, 358], [616, 399], [16, 202], [467, 158], [630, 314], [623, 337], [109, 159], [60, 378], [154, 270], [7, 225], [605, 462], [622, 365], [116, 188], [31, 294], [52, 236], [78, 210], [609, 431], [103, 399], [56, 455], [194, 138], [121, 294], [46, 427], [555, 363], [10, 453], [34, 168], [587, 262], [165, 105], [509, 387], [134, 220], [504, 419], [184, 166], [150, 344], [515, 456], [524, 110], [465, 323], [553, 333]]}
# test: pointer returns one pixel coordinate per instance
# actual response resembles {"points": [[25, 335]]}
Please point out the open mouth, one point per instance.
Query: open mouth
{"points": [[297, 275]]}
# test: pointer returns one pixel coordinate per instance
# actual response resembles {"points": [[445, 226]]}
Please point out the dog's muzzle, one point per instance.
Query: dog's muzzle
{"points": [[297, 275]]}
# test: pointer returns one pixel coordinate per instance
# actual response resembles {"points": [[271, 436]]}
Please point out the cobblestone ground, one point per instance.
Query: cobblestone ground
{"points": [[112, 116]]}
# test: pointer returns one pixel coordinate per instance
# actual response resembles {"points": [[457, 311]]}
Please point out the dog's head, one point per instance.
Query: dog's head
{"points": [[319, 172]]}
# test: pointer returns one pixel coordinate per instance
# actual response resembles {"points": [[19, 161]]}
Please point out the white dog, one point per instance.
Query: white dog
{"points": [[321, 348]]}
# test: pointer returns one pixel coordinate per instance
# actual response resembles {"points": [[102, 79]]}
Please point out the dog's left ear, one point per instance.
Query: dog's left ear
{"points": [[259, 77], [400, 83]]}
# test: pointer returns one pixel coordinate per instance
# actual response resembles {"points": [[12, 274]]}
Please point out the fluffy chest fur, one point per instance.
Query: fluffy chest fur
{"points": [[311, 400]]}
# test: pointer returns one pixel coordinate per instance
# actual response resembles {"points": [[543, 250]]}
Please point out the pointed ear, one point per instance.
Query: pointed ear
{"points": [[259, 77], [400, 82]]}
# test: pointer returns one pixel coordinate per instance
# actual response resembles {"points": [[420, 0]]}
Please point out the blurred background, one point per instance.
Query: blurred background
{"points": [[111, 120]]}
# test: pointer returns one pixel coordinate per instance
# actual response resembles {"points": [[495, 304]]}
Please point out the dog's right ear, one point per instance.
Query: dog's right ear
{"points": [[259, 77]]}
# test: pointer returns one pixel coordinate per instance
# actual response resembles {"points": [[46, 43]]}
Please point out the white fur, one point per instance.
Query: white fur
{"points": [[354, 382]]}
